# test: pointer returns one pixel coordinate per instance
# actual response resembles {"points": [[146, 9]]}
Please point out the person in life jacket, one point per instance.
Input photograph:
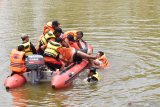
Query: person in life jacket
{"points": [[50, 26], [72, 38], [57, 56], [51, 55], [70, 54], [101, 61], [17, 60], [93, 76], [29, 48], [49, 36]]}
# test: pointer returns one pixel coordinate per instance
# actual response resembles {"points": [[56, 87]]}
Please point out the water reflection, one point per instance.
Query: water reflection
{"points": [[37, 96]]}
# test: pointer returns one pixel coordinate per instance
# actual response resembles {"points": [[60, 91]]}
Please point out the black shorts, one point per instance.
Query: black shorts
{"points": [[52, 66], [77, 58], [84, 50]]}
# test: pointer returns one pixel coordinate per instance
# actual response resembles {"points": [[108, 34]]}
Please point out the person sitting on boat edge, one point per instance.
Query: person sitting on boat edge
{"points": [[93, 76], [101, 62], [29, 48], [48, 37], [17, 60]]}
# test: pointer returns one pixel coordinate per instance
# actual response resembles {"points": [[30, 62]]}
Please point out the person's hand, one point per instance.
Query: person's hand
{"points": [[94, 57], [43, 47]]}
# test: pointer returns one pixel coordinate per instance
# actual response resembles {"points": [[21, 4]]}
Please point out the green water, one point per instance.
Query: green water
{"points": [[128, 31]]}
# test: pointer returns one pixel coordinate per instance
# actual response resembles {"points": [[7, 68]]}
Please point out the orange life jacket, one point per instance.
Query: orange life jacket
{"points": [[74, 45], [17, 61], [48, 27], [104, 61], [67, 53], [73, 32]]}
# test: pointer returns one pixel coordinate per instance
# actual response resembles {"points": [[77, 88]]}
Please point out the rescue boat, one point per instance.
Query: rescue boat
{"points": [[36, 73]]}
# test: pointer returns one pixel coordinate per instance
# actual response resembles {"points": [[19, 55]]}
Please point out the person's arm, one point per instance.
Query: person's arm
{"points": [[64, 44], [43, 47], [67, 42], [84, 55], [94, 78], [33, 48], [51, 39]]}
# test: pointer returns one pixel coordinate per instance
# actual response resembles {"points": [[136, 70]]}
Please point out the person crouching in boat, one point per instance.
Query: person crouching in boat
{"points": [[72, 38], [17, 60], [51, 55], [49, 36], [29, 48], [93, 76], [101, 62], [49, 27]]}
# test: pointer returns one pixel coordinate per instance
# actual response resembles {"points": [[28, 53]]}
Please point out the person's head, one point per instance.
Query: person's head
{"points": [[20, 48], [99, 54], [55, 23], [92, 71], [59, 40], [57, 32], [79, 35], [70, 37], [25, 37]]}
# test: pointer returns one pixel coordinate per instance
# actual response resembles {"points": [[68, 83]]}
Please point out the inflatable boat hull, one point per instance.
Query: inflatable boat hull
{"points": [[63, 79], [14, 81]]}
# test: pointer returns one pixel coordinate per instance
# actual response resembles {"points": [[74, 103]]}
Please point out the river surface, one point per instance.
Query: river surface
{"points": [[128, 31]]}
